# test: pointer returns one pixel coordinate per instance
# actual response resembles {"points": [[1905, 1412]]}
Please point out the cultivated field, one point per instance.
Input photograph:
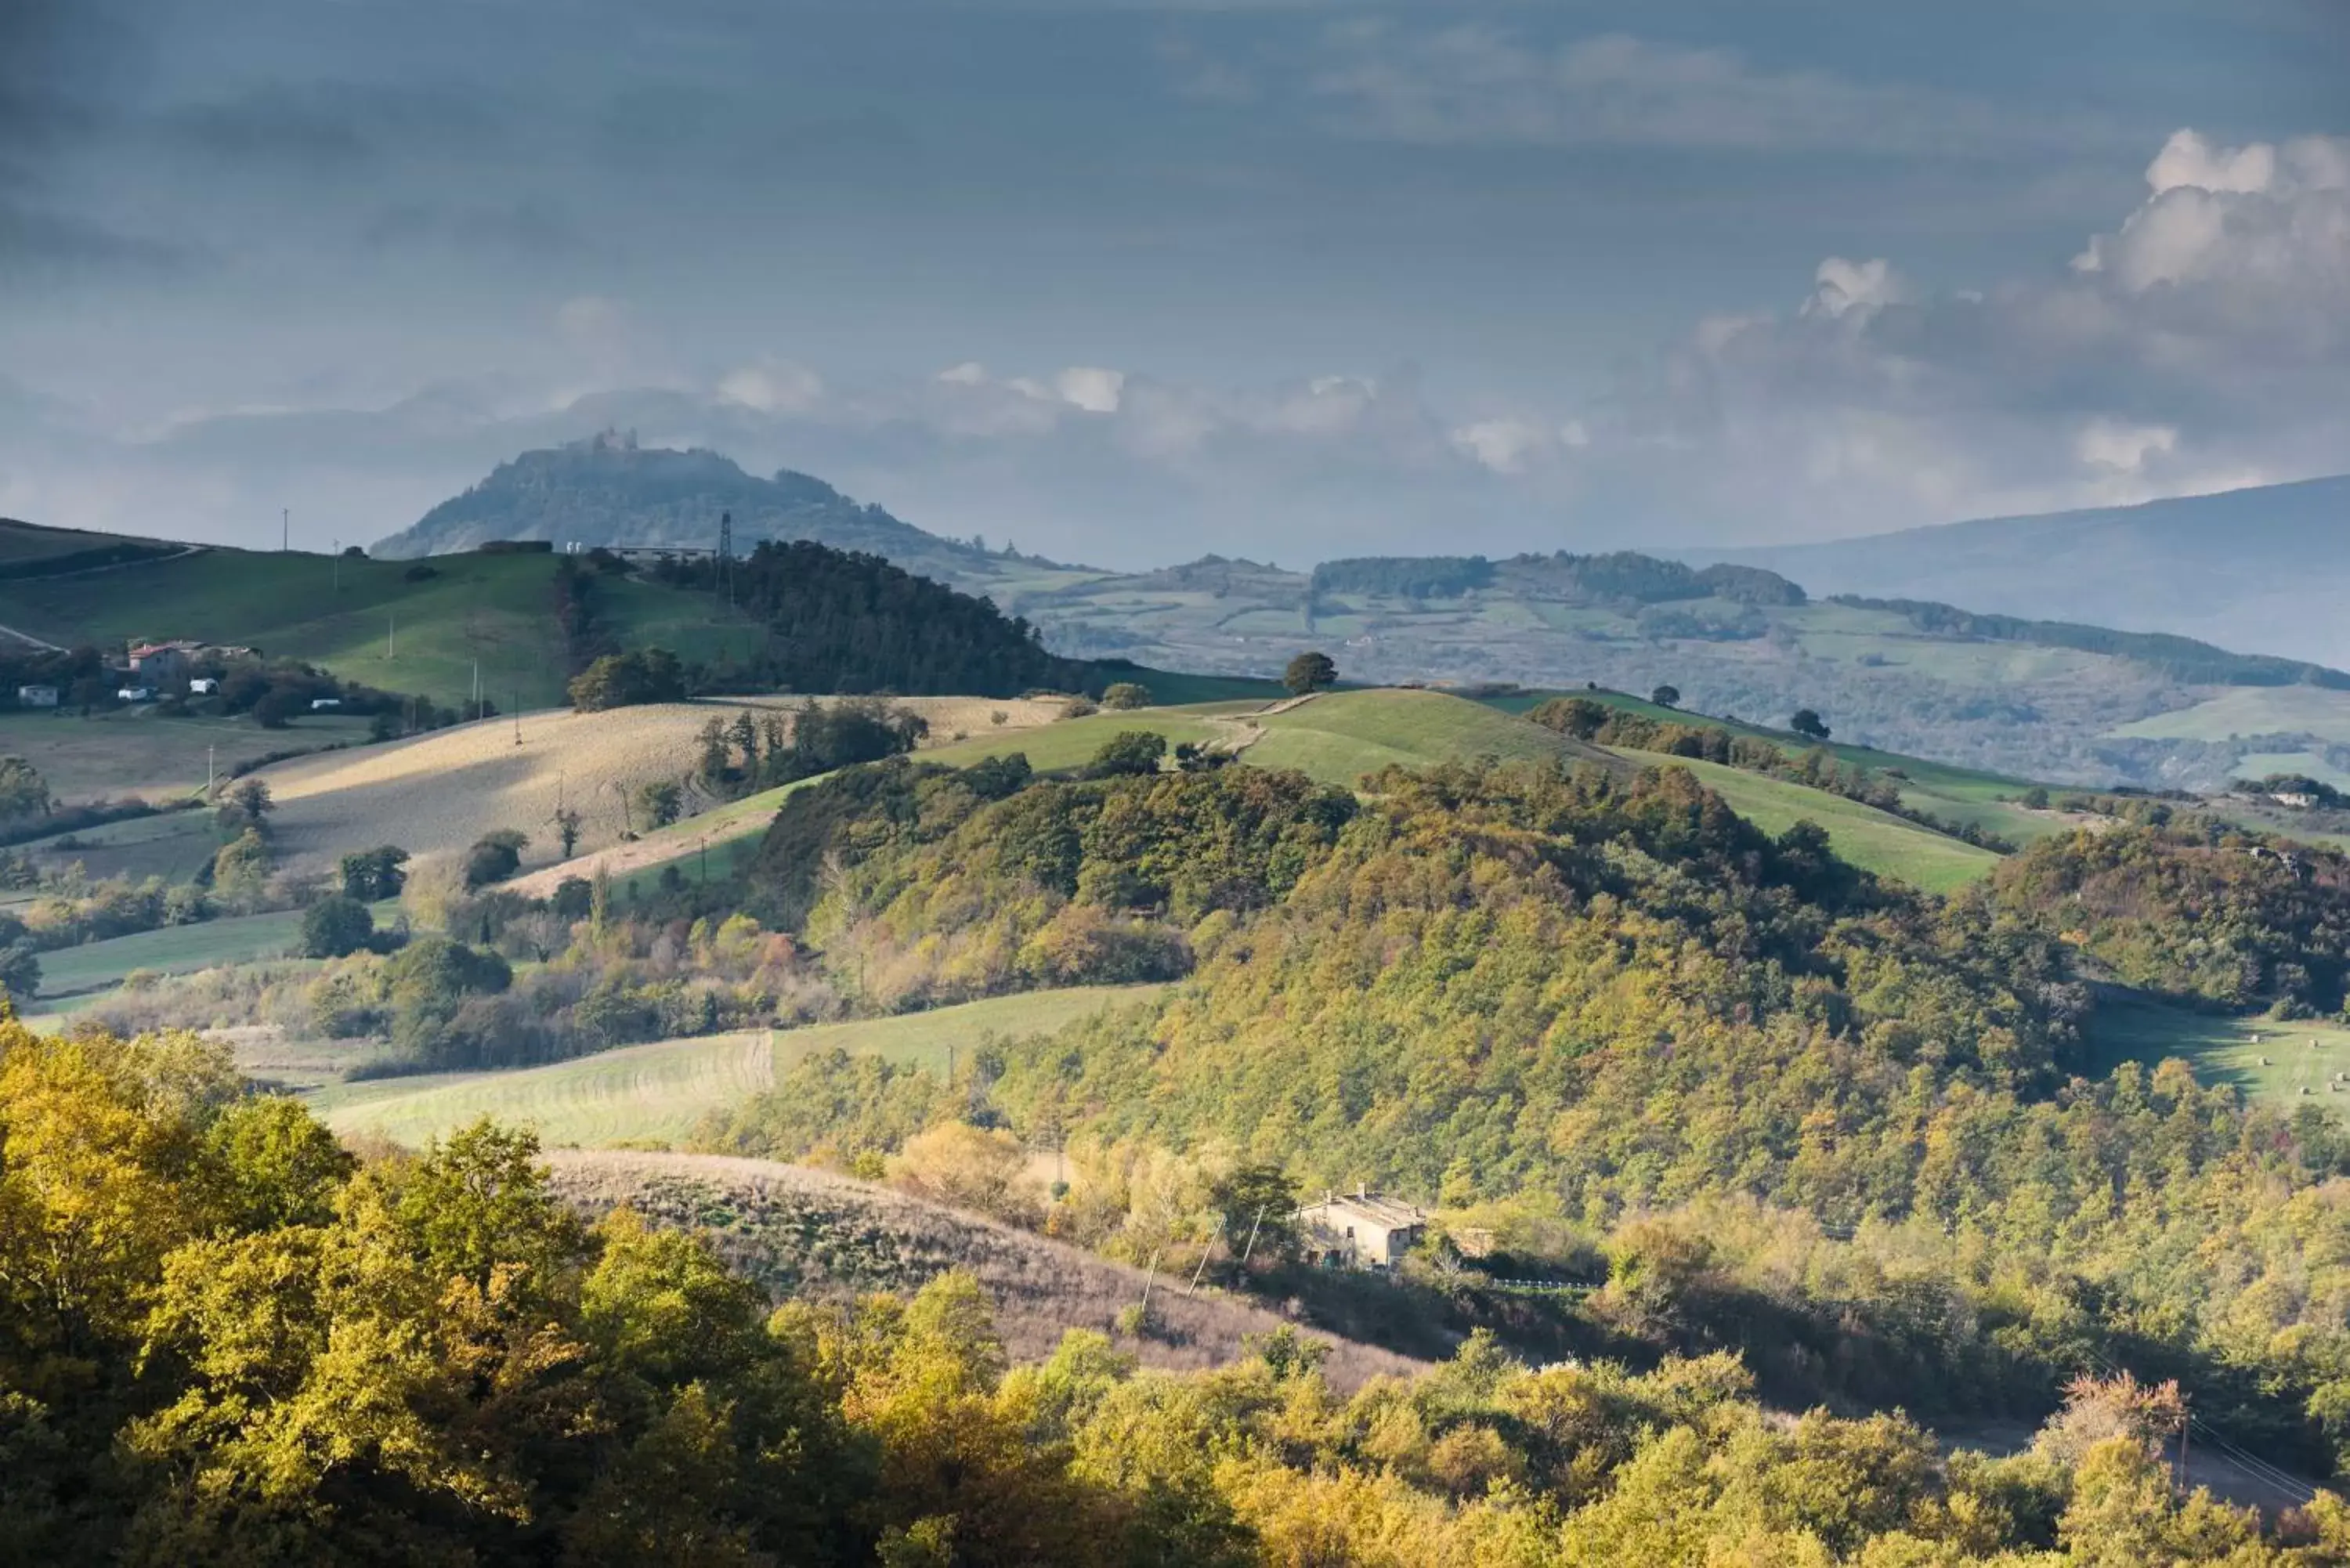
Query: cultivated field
{"points": [[731, 832], [2225, 1050], [804, 1232], [655, 1094], [1872, 839], [438, 792], [121, 751], [173, 846]]}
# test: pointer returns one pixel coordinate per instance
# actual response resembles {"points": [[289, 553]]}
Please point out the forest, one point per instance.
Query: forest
{"points": [[229, 1339]]}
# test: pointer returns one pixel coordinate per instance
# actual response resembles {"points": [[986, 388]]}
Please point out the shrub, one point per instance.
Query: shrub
{"points": [[1125, 694], [336, 927], [494, 858], [626, 679], [1128, 751]]}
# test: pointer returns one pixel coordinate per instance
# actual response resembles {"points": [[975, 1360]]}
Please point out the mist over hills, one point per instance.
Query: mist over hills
{"points": [[2263, 569]]}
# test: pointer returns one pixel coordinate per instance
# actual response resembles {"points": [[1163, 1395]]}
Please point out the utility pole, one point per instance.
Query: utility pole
{"points": [[517, 719], [391, 635], [338, 566], [210, 777], [477, 689], [285, 529]]}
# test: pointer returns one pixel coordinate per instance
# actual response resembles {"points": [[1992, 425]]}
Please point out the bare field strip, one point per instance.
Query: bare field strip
{"points": [[807, 1233], [436, 793]]}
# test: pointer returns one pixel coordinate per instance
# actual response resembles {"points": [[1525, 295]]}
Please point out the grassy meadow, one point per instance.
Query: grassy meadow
{"points": [[1872, 839], [174, 950], [655, 1093], [365, 620], [2285, 1064]]}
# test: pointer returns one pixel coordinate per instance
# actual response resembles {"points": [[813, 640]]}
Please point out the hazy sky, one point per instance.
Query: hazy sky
{"points": [[1127, 280]]}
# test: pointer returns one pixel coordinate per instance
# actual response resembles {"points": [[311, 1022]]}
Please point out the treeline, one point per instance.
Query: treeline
{"points": [[2182, 659], [1623, 577], [844, 621], [278, 1353]]}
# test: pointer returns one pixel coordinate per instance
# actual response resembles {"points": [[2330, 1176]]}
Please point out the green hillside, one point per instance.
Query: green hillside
{"points": [[658, 1092], [1872, 839], [367, 621], [1338, 737], [1956, 794]]}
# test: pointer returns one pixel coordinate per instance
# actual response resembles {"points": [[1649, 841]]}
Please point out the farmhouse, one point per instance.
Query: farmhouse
{"points": [[1364, 1231], [36, 696], [164, 663]]}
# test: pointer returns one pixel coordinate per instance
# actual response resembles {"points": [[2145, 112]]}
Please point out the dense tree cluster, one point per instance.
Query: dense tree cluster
{"points": [[2210, 914], [845, 621]]}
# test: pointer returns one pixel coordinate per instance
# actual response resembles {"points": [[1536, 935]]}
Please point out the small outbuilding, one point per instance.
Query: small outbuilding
{"points": [[36, 696], [1363, 1230]]}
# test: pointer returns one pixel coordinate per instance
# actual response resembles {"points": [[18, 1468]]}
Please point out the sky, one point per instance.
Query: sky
{"points": [[1128, 281]]}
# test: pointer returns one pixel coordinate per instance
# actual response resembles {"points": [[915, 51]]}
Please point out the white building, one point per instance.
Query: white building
{"points": [[36, 696], [1360, 1231]]}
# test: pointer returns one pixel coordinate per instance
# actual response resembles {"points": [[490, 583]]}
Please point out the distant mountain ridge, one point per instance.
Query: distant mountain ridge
{"points": [[2023, 679], [2262, 568], [607, 490]]}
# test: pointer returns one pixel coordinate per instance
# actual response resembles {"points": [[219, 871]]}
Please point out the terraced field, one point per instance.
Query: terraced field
{"points": [[655, 1094]]}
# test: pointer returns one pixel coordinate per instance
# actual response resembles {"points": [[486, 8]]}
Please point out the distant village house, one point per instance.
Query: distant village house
{"points": [[36, 696], [1361, 1230]]}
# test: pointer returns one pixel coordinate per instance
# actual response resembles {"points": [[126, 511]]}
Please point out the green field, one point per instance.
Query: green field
{"points": [[1872, 839], [1341, 735], [1956, 794], [175, 949], [2226, 1050], [2244, 711], [657, 1092], [366, 622]]}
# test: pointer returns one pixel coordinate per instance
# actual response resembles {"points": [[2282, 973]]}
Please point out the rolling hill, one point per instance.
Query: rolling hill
{"points": [[379, 622], [2051, 702], [607, 490], [2261, 567]]}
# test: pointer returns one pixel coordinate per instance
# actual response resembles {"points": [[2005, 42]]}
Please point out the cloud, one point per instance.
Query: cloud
{"points": [[1475, 84], [2203, 342], [2192, 356]]}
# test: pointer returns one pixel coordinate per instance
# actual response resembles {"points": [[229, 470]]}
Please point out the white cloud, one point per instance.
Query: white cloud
{"points": [[1478, 84], [772, 387]]}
